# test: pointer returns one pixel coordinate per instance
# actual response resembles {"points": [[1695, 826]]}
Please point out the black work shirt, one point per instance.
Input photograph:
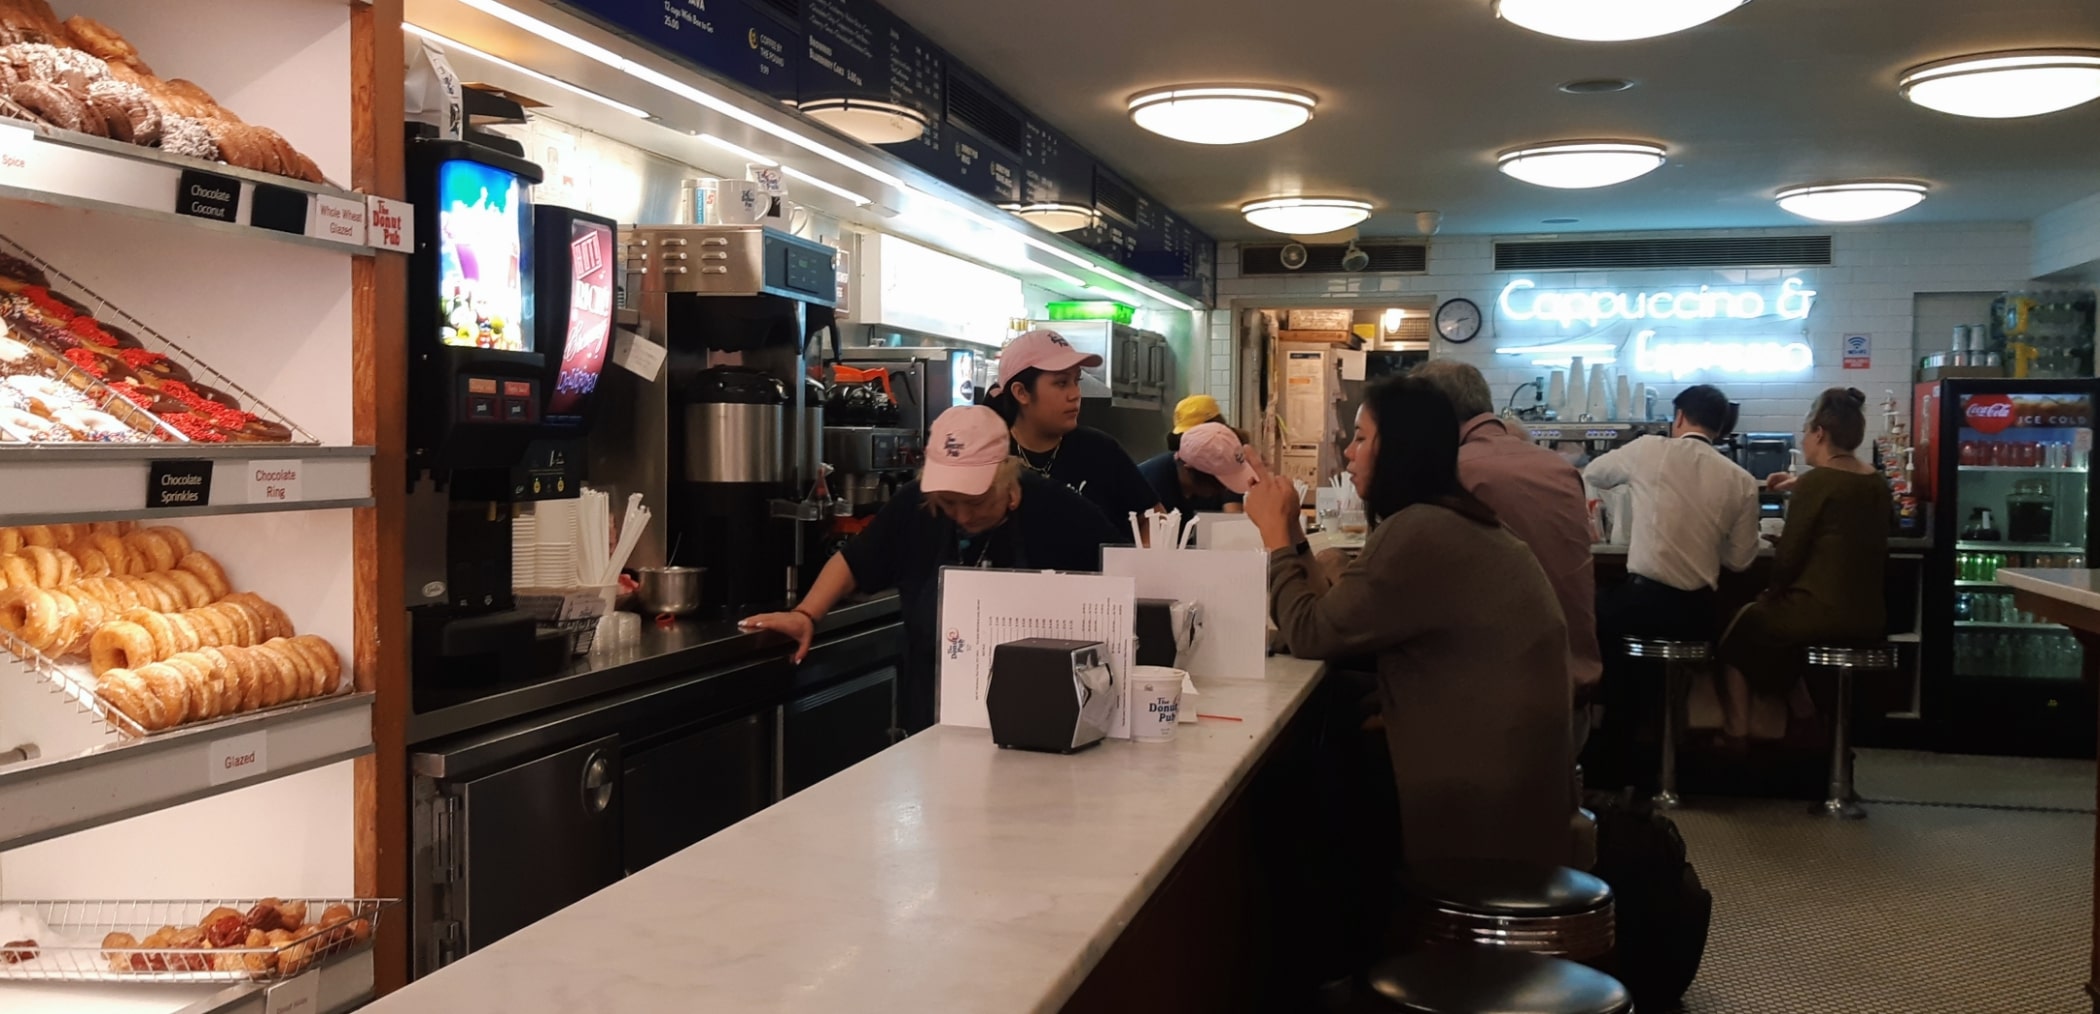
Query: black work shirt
{"points": [[906, 546], [1095, 466], [1164, 474]]}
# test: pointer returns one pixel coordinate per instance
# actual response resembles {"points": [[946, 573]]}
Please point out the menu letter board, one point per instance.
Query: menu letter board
{"points": [[856, 49], [732, 38]]}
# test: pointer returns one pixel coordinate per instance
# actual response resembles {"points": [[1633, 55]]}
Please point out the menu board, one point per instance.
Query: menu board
{"points": [[1054, 168], [733, 38], [857, 49]]}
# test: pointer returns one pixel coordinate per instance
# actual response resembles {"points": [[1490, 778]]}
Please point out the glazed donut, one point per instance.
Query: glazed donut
{"points": [[208, 571], [127, 692], [45, 563], [247, 625], [265, 614], [323, 656], [240, 676], [311, 673], [11, 540], [269, 680], [186, 638], [178, 543], [63, 536], [211, 630], [28, 612], [297, 673], [156, 626], [38, 535], [112, 548], [196, 673], [92, 615], [120, 644], [169, 685], [151, 596], [66, 628], [149, 543], [18, 572], [194, 593], [113, 593], [92, 562]]}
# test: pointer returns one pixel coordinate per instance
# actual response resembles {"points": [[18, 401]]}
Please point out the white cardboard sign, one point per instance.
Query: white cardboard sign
{"points": [[337, 219], [237, 758], [638, 355], [274, 481], [1231, 585]]}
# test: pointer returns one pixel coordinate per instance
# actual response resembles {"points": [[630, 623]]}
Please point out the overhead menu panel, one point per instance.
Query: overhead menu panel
{"points": [[857, 50], [737, 39]]}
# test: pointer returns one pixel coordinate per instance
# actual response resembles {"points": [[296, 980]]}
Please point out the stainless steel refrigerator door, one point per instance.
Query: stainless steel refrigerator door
{"points": [[538, 837]]}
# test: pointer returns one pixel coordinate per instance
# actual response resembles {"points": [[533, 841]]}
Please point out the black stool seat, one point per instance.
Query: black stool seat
{"points": [[1500, 887], [1492, 980]]}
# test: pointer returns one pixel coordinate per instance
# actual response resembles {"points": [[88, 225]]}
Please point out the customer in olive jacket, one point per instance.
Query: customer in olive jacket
{"points": [[1470, 645]]}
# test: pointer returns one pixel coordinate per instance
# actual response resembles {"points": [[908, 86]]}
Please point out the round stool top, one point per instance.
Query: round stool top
{"points": [[1874, 656], [1499, 887], [1468, 980], [1668, 650]]}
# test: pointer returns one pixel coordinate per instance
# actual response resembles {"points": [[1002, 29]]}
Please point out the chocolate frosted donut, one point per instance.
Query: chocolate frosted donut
{"points": [[52, 104], [23, 271]]}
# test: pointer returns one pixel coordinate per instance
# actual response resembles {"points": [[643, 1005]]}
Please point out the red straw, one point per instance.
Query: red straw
{"points": [[1218, 718]]}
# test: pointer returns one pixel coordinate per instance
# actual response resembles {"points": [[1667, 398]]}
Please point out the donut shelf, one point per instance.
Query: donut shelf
{"points": [[86, 764], [55, 483], [338, 984], [46, 165], [70, 934]]}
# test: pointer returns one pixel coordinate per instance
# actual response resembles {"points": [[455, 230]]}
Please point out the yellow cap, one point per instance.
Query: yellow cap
{"points": [[1194, 411]]}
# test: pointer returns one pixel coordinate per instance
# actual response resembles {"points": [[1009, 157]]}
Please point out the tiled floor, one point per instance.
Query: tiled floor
{"points": [[1951, 902]]}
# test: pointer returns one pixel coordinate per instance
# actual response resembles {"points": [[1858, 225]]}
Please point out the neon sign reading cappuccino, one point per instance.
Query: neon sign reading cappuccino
{"points": [[1792, 301]]}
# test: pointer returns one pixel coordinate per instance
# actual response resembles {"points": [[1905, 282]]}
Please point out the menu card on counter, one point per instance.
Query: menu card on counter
{"points": [[982, 609]]}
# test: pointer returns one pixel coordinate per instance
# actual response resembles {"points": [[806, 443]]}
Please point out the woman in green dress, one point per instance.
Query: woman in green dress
{"points": [[1826, 574]]}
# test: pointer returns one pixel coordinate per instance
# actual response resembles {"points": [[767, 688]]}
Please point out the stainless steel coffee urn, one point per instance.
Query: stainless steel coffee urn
{"points": [[735, 426]]}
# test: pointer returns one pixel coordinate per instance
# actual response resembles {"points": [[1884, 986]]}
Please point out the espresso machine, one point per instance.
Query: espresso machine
{"points": [[875, 450], [728, 434]]}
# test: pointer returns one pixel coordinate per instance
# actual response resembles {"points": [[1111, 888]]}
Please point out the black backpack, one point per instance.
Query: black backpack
{"points": [[1663, 912]]}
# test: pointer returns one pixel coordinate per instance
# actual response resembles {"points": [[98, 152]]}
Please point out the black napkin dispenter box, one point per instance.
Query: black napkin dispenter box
{"points": [[1050, 694]]}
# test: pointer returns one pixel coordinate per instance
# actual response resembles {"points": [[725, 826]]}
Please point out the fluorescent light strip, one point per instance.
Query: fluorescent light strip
{"points": [[1058, 251], [580, 46], [743, 153], [1054, 273], [1174, 301], [833, 188], [455, 44]]}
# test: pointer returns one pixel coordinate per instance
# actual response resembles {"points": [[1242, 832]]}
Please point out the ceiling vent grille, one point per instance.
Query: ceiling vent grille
{"points": [[1717, 252], [989, 117], [1326, 258]]}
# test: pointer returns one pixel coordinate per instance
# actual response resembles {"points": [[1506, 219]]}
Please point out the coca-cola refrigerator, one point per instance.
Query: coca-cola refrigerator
{"points": [[2006, 465]]}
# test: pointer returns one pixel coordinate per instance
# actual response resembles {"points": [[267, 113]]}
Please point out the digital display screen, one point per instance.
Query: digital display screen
{"points": [[481, 282], [590, 316]]}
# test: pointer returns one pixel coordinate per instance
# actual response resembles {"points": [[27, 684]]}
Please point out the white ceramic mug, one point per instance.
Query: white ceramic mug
{"points": [[1155, 702], [744, 203]]}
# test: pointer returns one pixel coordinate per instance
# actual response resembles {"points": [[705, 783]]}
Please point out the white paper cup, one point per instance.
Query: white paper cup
{"points": [[1155, 702]]}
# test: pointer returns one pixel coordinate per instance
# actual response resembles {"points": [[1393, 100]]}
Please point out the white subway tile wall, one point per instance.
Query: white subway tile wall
{"points": [[1869, 289], [2068, 238]]}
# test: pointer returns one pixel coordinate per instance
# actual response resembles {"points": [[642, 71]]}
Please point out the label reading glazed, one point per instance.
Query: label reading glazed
{"points": [[178, 482], [200, 194], [237, 757]]}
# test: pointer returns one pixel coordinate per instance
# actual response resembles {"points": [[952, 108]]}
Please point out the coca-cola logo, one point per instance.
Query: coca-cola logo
{"points": [[1989, 413]]}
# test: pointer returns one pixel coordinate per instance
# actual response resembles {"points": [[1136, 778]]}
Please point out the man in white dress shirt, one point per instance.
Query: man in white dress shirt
{"points": [[1694, 512]]}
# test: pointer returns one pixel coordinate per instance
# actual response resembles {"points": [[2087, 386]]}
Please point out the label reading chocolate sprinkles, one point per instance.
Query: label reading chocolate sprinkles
{"points": [[173, 483]]}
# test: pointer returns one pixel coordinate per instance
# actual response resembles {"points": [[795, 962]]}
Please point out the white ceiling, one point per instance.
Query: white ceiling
{"points": [[1419, 95]]}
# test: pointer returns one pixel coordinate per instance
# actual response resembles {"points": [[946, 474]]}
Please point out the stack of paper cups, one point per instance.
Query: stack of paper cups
{"points": [[1622, 399], [1578, 391], [1639, 412], [1557, 393], [1595, 403]]}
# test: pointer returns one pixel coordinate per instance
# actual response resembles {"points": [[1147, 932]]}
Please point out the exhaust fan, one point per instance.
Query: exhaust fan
{"points": [[1294, 256]]}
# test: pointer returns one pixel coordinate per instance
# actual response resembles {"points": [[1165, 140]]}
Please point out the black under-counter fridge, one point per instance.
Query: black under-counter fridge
{"points": [[2007, 466]]}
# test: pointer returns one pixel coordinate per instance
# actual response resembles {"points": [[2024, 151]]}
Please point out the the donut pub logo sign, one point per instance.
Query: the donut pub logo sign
{"points": [[174, 483]]}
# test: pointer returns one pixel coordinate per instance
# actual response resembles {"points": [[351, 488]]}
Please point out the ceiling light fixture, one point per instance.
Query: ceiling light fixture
{"points": [[1221, 114], [1056, 216], [828, 187], [739, 151], [1580, 165], [1305, 216], [1856, 201], [868, 121], [2025, 82], [1611, 20], [460, 47]]}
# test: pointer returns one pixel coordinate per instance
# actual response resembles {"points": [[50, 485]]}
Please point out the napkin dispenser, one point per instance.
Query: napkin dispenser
{"points": [[1049, 694], [1166, 629]]}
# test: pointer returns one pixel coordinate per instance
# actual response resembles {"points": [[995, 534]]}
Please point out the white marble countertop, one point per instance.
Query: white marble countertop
{"points": [[943, 874], [2077, 587]]}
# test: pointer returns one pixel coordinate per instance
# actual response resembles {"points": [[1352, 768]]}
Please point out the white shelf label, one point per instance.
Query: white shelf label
{"points": [[275, 481], [237, 758], [337, 220], [300, 994], [390, 224]]}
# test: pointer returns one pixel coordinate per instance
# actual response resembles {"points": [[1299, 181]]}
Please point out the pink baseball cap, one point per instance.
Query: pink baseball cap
{"points": [[1042, 350], [964, 450], [1213, 448]]}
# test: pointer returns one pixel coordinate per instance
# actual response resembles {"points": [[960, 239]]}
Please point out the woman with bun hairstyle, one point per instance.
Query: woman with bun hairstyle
{"points": [[1038, 396], [1826, 574]]}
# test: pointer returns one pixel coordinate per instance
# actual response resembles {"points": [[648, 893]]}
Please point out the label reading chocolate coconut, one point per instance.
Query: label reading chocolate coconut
{"points": [[200, 194], [178, 482]]}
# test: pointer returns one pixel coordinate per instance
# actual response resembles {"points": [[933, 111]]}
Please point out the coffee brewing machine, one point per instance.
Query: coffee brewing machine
{"points": [[729, 431], [510, 314], [881, 404]]}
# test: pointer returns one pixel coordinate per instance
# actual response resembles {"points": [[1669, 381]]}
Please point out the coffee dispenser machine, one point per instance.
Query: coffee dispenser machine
{"points": [[728, 432]]}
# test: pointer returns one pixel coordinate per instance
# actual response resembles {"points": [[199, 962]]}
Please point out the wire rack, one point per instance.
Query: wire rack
{"points": [[77, 929], [66, 684], [104, 310]]}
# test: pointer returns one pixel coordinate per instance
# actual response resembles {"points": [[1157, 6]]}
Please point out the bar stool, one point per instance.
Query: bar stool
{"points": [[1468, 980], [1505, 905], [1843, 803], [1673, 655]]}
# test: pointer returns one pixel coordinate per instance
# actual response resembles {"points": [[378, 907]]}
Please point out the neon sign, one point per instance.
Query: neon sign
{"points": [[1681, 359], [1792, 301]]}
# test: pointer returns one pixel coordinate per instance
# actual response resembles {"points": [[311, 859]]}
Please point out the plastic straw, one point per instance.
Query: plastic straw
{"points": [[1188, 533], [1137, 537]]}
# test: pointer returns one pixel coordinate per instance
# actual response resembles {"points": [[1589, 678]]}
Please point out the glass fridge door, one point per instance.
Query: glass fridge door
{"points": [[2020, 496]]}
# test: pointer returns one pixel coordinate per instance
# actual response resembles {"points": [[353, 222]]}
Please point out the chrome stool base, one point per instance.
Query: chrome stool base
{"points": [[1671, 654], [1838, 810], [1843, 802], [1666, 800]]}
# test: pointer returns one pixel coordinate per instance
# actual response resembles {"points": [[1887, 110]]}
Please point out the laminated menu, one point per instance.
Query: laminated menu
{"points": [[982, 609]]}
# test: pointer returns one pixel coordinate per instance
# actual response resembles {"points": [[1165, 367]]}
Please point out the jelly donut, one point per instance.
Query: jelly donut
{"points": [[120, 644]]}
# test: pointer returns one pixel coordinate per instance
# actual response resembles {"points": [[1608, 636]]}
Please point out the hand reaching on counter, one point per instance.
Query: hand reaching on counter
{"points": [[796, 624], [1273, 504], [1780, 482]]}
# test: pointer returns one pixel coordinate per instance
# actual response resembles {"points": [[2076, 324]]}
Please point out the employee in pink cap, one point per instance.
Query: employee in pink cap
{"points": [[1038, 396], [974, 505], [1209, 470]]}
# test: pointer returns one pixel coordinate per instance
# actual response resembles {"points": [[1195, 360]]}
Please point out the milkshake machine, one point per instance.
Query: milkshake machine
{"points": [[729, 433]]}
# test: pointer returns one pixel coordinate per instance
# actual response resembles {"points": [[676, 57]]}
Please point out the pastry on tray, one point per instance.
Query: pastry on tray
{"points": [[273, 938]]}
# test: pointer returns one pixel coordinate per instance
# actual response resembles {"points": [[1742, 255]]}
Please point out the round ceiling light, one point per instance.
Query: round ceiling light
{"points": [[1056, 216], [1580, 165], [1611, 20], [2027, 82], [868, 121], [1858, 201], [1306, 216], [1221, 114]]}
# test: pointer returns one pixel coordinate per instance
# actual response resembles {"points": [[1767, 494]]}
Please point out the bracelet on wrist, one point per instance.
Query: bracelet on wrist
{"points": [[813, 618]]}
